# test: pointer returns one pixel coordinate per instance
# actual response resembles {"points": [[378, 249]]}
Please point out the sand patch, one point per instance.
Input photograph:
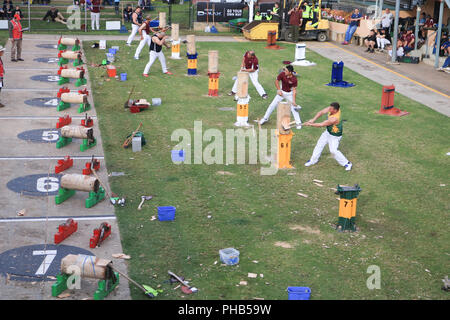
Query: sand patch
{"points": [[305, 229], [282, 244]]}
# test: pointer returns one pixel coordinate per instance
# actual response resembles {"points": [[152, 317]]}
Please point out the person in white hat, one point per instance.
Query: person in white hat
{"points": [[2, 71]]}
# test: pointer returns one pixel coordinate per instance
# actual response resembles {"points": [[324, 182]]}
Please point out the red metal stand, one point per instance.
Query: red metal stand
{"points": [[65, 230], [64, 164], [93, 164], [61, 91], [213, 86], [87, 122], [100, 234], [138, 108], [84, 91], [63, 121], [387, 103]]}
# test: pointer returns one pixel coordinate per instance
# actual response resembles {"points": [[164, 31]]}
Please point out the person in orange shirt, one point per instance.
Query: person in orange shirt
{"points": [[15, 34]]}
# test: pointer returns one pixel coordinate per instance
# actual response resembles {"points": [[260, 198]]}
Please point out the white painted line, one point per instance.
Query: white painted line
{"points": [[35, 90], [44, 219], [40, 117], [50, 158]]}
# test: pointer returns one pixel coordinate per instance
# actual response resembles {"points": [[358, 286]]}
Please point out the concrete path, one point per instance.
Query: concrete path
{"points": [[29, 260], [418, 82]]}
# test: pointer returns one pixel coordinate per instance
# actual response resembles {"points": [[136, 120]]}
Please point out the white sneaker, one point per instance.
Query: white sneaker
{"points": [[297, 107], [129, 44], [137, 58], [309, 163], [348, 166], [299, 126], [262, 121]]}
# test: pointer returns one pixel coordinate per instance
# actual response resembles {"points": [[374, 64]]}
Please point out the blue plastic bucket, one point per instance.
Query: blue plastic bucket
{"points": [[166, 213], [123, 77], [112, 51], [154, 23], [177, 155], [299, 293]]}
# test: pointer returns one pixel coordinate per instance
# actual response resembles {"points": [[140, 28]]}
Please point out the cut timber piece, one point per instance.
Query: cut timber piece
{"points": [[72, 73], [73, 97], [213, 61], [302, 195], [71, 55], [191, 44], [283, 117], [88, 266], [242, 84], [79, 132], [162, 19], [175, 31], [80, 182], [70, 41]]}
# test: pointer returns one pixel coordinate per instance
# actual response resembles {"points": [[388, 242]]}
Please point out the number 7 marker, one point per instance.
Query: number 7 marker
{"points": [[49, 256]]}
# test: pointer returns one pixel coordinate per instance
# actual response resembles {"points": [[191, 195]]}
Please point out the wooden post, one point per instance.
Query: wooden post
{"points": [[243, 100], [191, 44], [242, 84], [175, 32], [79, 182], [213, 61], [284, 136], [162, 20]]}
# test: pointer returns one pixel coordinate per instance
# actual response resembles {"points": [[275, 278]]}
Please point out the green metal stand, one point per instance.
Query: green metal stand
{"points": [[61, 284], [95, 197], [84, 107], [63, 80], [75, 48], [105, 287], [80, 82], [62, 47], [345, 224], [86, 145], [62, 106], [63, 61], [78, 62], [63, 195], [62, 142]]}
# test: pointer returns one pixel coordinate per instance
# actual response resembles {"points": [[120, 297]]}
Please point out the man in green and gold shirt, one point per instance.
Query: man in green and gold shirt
{"points": [[332, 136]]}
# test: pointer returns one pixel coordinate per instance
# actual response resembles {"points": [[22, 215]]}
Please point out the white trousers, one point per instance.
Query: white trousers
{"points": [[146, 40], [381, 42], [288, 96], [333, 145], [254, 77], [153, 56], [134, 30], [95, 20]]}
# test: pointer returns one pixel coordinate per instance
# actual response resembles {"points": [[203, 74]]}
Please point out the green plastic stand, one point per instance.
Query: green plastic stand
{"points": [[80, 82], [78, 62], [95, 197], [75, 48], [63, 61], [63, 195], [63, 80], [105, 287], [62, 142], [86, 145], [62, 47], [62, 106], [84, 107], [60, 285]]}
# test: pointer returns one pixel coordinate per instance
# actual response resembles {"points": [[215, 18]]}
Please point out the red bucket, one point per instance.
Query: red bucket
{"points": [[111, 71]]}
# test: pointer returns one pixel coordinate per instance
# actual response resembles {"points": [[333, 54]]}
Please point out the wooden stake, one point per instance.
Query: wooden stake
{"points": [[175, 31], [242, 84], [213, 61], [191, 44]]}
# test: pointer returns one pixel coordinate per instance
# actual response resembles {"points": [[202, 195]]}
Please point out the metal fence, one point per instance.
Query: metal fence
{"points": [[78, 18]]}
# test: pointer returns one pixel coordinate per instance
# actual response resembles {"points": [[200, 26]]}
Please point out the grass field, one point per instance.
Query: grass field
{"points": [[400, 163]]}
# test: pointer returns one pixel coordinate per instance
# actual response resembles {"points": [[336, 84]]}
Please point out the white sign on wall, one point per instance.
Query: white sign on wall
{"points": [[112, 25]]}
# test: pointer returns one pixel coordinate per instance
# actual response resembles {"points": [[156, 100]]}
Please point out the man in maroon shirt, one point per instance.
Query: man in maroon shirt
{"points": [[95, 14], [287, 91], [2, 71], [295, 17], [250, 64]]}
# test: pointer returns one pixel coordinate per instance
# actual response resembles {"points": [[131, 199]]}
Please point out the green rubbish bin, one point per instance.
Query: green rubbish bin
{"points": [[347, 207]]}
